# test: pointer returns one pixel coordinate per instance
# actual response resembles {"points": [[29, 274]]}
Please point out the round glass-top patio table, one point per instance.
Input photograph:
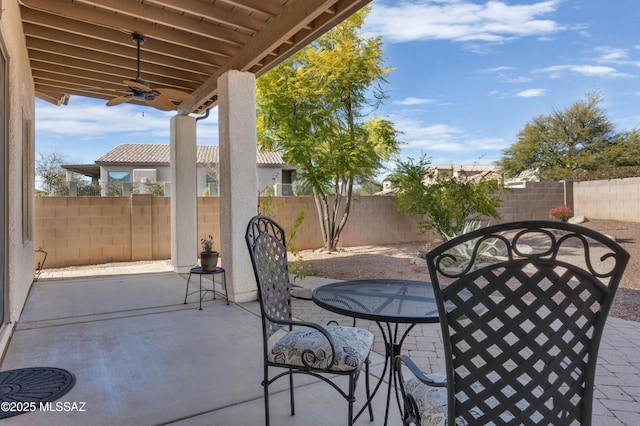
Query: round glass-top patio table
{"points": [[388, 303]]}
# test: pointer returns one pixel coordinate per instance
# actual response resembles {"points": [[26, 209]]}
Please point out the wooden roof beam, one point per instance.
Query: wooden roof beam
{"points": [[166, 17], [211, 12], [129, 25]]}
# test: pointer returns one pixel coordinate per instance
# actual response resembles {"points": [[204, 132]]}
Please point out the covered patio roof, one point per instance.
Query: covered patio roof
{"points": [[84, 47]]}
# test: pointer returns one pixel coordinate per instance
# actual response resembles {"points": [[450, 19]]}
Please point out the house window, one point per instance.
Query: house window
{"points": [[212, 178], [119, 177], [212, 183]]}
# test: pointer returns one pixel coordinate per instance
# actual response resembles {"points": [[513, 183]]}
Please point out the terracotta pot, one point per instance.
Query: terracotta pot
{"points": [[209, 261]]}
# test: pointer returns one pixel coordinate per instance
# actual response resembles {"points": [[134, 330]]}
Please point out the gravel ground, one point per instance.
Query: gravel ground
{"points": [[394, 261]]}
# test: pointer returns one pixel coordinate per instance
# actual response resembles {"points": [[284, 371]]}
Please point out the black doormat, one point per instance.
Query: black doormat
{"points": [[23, 390]]}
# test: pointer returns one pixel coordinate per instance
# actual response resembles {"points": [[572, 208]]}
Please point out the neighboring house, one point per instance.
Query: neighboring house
{"points": [[469, 172], [149, 163]]}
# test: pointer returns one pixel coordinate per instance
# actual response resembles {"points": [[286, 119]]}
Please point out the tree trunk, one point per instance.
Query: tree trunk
{"points": [[333, 221]]}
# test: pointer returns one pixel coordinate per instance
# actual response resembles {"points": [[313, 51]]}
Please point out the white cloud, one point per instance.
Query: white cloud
{"points": [[558, 71], [498, 70], [86, 129], [413, 101], [443, 139], [461, 20], [612, 54], [518, 80], [615, 56], [532, 93], [502, 73], [87, 119], [488, 144]]}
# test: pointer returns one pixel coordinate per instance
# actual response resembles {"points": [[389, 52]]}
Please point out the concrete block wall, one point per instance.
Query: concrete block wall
{"points": [[372, 220], [83, 230], [161, 227], [617, 199], [532, 202], [94, 230], [376, 220], [285, 211], [208, 221], [141, 227]]}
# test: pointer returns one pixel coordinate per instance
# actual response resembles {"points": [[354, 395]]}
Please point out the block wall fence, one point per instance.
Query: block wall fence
{"points": [[93, 230]]}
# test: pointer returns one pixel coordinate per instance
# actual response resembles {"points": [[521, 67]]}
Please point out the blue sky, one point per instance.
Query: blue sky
{"points": [[468, 76]]}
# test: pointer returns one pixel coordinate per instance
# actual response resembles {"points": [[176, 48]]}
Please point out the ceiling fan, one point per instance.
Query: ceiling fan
{"points": [[160, 98]]}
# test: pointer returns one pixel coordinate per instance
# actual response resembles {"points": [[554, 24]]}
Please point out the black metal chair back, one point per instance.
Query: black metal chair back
{"points": [[523, 307], [268, 252], [304, 347]]}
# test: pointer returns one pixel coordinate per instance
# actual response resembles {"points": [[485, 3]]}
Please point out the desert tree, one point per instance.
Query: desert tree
{"points": [[444, 202], [563, 142], [317, 108]]}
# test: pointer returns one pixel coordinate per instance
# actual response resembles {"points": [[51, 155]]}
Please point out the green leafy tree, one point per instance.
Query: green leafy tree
{"points": [[316, 107], [446, 202], [53, 176], [88, 189], [563, 142], [368, 187], [624, 150]]}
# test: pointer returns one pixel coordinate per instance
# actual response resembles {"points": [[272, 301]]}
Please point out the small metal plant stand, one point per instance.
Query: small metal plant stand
{"points": [[203, 292]]}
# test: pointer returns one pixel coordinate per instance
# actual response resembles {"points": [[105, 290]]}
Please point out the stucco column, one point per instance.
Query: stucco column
{"points": [[184, 216], [238, 195]]}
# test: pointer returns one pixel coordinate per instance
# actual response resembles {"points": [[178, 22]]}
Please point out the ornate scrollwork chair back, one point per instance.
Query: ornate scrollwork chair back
{"points": [[299, 347], [269, 256], [522, 307]]}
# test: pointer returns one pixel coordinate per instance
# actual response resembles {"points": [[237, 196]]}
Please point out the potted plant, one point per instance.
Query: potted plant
{"points": [[560, 213], [208, 257]]}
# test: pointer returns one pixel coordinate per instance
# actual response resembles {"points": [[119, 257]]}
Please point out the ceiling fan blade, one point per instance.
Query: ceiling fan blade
{"points": [[137, 85], [177, 95], [119, 100], [161, 102], [140, 90]]}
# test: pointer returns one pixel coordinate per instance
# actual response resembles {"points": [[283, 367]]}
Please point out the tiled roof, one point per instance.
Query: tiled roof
{"points": [[139, 153], [475, 168], [270, 157]]}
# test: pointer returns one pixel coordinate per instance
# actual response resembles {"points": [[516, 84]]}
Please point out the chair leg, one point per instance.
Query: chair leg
{"points": [[368, 388], [293, 405], [352, 391], [265, 386], [266, 406], [411, 413]]}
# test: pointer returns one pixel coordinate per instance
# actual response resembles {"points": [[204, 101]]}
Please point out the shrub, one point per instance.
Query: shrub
{"points": [[560, 213], [448, 202]]}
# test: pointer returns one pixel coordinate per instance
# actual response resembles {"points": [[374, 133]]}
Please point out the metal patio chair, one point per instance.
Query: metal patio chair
{"points": [[299, 347], [522, 307]]}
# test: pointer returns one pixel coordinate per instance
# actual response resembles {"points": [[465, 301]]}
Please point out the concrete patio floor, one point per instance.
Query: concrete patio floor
{"points": [[142, 357]]}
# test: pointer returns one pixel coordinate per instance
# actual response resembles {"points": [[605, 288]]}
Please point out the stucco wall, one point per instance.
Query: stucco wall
{"points": [[268, 176], [19, 103]]}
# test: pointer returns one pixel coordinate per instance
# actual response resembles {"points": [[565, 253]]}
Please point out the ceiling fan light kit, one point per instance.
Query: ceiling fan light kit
{"points": [[139, 89]]}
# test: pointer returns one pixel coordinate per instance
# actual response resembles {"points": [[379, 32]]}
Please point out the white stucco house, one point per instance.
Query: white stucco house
{"points": [[151, 164]]}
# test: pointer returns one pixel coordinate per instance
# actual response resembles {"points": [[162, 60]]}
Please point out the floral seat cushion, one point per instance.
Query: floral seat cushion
{"points": [[432, 401], [352, 348]]}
